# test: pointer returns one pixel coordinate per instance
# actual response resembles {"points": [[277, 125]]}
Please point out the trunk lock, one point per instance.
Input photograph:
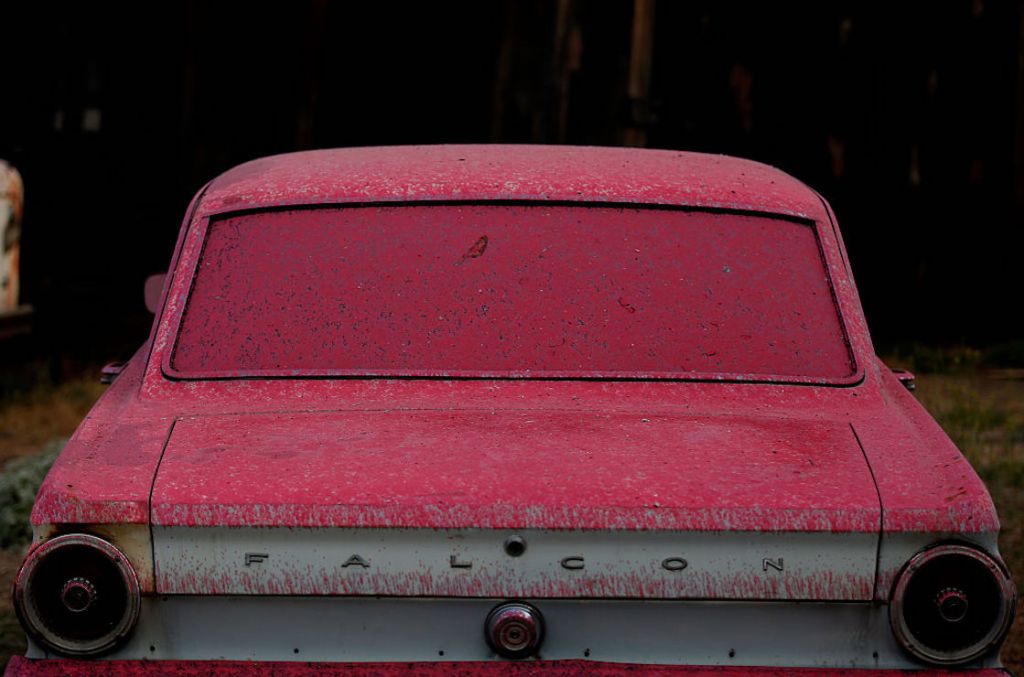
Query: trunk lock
{"points": [[514, 630]]}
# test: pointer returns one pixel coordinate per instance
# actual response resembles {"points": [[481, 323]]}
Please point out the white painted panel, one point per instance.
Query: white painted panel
{"points": [[402, 629], [473, 563]]}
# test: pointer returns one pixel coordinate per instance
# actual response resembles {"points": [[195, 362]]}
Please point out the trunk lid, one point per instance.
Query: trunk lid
{"points": [[421, 503]]}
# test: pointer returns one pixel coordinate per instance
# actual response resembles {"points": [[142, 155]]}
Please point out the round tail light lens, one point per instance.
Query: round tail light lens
{"points": [[514, 630], [77, 595], [952, 604]]}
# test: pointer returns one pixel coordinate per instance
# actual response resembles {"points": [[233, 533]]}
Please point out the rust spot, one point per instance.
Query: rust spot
{"points": [[131, 539], [474, 252]]}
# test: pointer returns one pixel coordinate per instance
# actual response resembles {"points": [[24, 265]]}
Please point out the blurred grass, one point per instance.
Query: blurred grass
{"points": [[983, 412], [36, 418], [31, 419]]}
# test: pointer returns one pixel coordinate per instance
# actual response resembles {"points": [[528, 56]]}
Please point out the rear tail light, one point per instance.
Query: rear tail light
{"points": [[77, 595], [952, 604]]}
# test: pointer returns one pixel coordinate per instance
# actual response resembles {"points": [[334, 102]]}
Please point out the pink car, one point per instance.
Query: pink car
{"points": [[502, 410]]}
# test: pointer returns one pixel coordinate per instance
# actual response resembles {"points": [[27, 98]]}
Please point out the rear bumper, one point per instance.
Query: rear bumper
{"points": [[70, 668]]}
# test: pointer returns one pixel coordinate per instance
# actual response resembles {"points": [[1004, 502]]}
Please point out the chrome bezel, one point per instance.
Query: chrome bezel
{"points": [[975, 651], [25, 606]]}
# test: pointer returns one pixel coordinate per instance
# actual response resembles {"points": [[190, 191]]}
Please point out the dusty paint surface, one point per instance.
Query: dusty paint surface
{"points": [[53, 668], [510, 470], [556, 173], [552, 291], [919, 487], [371, 451]]}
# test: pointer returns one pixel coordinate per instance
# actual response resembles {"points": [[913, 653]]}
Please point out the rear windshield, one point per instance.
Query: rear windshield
{"points": [[511, 291]]}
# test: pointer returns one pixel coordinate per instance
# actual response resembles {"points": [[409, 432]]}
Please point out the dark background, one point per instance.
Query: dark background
{"points": [[908, 117]]}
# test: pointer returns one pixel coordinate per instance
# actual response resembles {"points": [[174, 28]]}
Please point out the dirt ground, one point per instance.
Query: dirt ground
{"points": [[982, 411]]}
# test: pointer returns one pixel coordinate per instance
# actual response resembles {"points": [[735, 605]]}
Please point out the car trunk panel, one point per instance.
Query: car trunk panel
{"points": [[417, 494]]}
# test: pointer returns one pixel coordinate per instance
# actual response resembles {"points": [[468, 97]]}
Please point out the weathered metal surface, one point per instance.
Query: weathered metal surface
{"points": [[569, 668], [835, 635], [473, 563], [133, 540], [496, 172], [513, 470], [557, 291]]}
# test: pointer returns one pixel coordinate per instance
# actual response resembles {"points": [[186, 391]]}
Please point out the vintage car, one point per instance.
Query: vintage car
{"points": [[490, 409]]}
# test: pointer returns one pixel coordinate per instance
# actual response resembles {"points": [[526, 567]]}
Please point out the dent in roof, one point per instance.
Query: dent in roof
{"points": [[508, 172]]}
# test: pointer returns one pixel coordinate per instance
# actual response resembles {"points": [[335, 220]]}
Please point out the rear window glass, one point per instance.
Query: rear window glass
{"points": [[510, 291]]}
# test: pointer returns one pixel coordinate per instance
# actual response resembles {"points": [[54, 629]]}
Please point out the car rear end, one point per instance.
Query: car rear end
{"points": [[477, 436]]}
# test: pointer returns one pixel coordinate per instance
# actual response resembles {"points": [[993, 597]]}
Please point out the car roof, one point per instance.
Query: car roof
{"points": [[510, 172]]}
